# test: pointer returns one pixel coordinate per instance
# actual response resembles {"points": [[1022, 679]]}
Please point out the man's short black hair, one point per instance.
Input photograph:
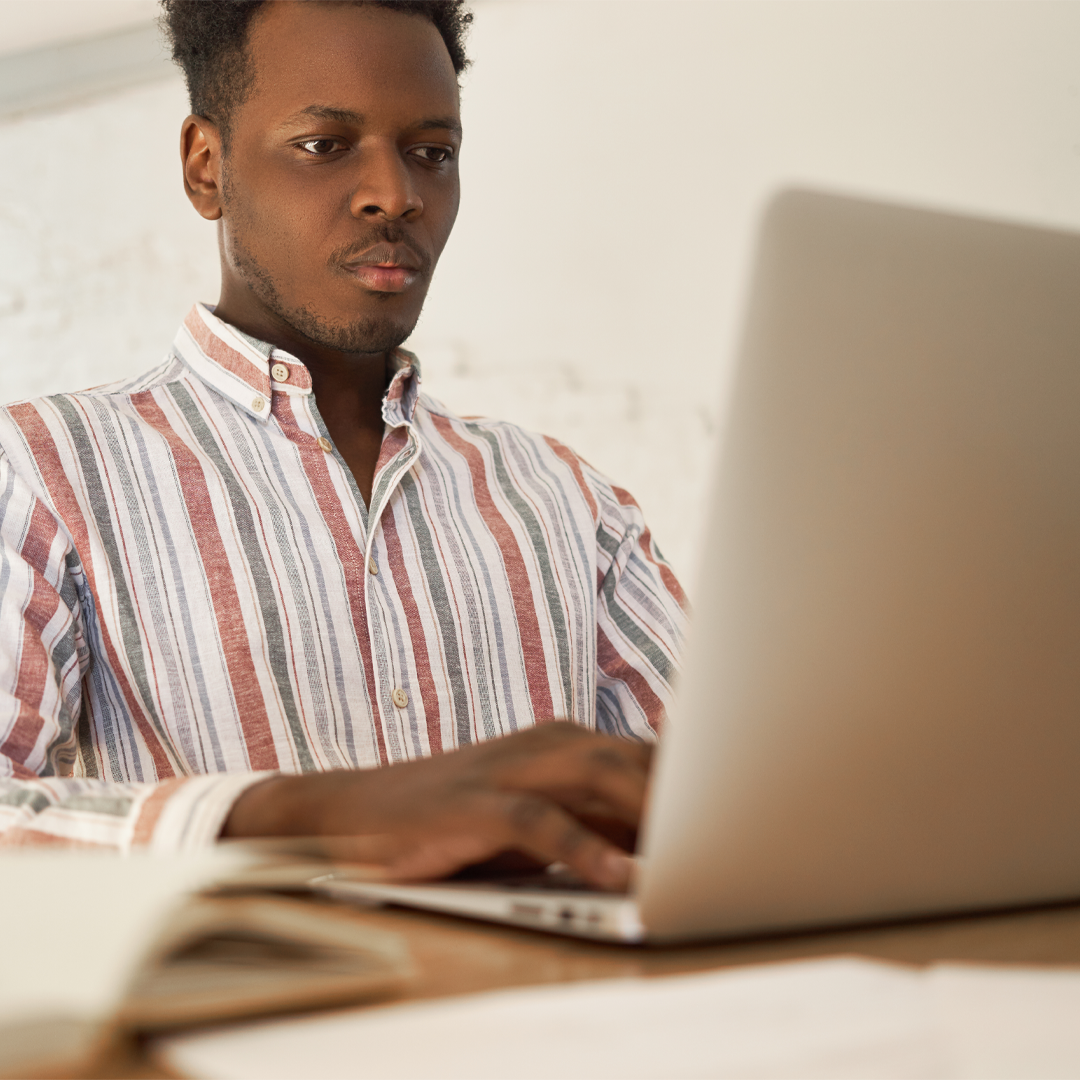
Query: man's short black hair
{"points": [[209, 42]]}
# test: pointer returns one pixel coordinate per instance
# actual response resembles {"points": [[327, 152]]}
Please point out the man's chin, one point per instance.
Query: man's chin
{"points": [[367, 335]]}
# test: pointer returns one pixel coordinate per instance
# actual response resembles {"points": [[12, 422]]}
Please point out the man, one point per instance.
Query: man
{"points": [[262, 589]]}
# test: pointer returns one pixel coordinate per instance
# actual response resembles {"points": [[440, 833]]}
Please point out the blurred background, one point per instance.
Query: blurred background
{"points": [[617, 155]]}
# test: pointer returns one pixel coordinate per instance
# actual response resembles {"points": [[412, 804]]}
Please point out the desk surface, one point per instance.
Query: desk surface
{"points": [[455, 956]]}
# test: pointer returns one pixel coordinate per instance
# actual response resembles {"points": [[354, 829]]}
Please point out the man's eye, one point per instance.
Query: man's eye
{"points": [[320, 147], [435, 154]]}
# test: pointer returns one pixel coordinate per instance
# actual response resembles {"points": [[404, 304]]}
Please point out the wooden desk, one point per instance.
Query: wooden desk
{"points": [[454, 956]]}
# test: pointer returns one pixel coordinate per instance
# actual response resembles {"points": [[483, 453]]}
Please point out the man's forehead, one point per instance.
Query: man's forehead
{"points": [[354, 118], [330, 61]]}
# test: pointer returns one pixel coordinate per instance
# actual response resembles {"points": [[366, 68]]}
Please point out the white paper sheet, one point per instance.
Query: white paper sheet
{"points": [[838, 1017], [1008, 1021], [841, 1017]]}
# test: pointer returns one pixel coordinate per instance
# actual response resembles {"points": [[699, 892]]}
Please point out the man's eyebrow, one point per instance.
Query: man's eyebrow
{"points": [[349, 116], [447, 122], [327, 112]]}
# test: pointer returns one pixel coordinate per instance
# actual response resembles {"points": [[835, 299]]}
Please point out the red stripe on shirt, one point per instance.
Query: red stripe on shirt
{"points": [[232, 633], [571, 459], [517, 576], [232, 361], [51, 469], [353, 563], [671, 583], [428, 694], [615, 667], [151, 810], [34, 665]]}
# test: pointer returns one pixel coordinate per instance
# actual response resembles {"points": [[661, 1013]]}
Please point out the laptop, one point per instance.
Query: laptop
{"points": [[880, 713]]}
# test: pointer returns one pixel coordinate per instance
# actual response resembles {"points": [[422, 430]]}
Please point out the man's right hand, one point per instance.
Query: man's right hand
{"points": [[530, 792]]}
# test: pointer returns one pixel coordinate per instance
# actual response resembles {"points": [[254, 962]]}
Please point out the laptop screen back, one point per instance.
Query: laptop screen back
{"points": [[881, 711]]}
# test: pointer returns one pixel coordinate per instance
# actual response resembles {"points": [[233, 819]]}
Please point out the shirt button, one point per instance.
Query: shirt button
{"points": [[280, 372], [399, 698], [371, 565], [258, 404], [325, 444]]}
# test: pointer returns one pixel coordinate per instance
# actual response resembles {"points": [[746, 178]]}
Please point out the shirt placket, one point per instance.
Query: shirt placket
{"points": [[397, 698], [394, 699]]}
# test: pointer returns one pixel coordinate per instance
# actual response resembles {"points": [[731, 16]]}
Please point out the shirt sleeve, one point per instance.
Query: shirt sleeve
{"points": [[46, 796], [641, 621]]}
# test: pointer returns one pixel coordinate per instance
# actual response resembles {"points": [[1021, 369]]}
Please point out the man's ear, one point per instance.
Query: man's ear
{"points": [[200, 152]]}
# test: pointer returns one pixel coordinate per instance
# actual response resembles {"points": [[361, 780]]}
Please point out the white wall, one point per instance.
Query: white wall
{"points": [[30, 24], [616, 155]]}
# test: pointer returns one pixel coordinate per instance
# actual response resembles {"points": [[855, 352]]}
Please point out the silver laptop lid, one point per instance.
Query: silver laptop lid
{"points": [[881, 710]]}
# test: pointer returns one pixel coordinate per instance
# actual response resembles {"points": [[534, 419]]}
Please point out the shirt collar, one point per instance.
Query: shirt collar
{"points": [[242, 369], [399, 404]]}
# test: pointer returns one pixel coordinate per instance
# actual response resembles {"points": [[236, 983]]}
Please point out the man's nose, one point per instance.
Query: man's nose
{"points": [[385, 186]]}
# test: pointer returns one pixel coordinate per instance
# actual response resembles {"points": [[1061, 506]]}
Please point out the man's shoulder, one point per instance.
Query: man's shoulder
{"points": [[34, 431], [506, 431], [554, 456], [113, 392]]}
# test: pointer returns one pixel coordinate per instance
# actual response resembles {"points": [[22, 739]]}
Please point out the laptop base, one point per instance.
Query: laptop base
{"points": [[574, 912]]}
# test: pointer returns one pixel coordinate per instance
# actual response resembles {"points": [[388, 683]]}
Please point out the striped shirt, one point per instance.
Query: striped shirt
{"points": [[193, 593]]}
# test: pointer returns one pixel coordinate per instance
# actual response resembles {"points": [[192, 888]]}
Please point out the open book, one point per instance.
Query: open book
{"points": [[95, 945]]}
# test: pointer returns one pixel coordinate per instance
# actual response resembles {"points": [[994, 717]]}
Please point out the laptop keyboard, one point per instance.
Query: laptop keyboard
{"points": [[549, 881]]}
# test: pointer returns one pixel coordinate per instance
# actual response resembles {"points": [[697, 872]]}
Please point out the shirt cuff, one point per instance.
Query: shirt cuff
{"points": [[188, 813]]}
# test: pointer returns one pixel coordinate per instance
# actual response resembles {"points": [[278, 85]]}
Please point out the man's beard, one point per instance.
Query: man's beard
{"points": [[371, 334]]}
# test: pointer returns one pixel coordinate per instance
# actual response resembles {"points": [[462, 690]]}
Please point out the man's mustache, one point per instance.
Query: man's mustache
{"points": [[381, 235]]}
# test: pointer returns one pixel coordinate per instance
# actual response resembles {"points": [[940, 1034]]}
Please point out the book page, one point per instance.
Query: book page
{"points": [[77, 925]]}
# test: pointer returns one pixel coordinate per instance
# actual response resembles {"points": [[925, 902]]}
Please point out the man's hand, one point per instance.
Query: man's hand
{"points": [[531, 792]]}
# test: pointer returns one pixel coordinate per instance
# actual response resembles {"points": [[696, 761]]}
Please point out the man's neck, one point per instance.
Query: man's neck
{"points": [[348, 388]]}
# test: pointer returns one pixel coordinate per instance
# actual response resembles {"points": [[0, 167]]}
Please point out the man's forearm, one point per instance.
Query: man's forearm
{"points": [[293, 805]]}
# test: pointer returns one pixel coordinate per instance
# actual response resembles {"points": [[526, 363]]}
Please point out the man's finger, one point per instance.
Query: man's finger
{"points": [[495, 823], [599, 772], [542, 829]]}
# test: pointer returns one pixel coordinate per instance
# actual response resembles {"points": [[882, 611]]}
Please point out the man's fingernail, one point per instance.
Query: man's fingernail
{"points": [[616, 869]]}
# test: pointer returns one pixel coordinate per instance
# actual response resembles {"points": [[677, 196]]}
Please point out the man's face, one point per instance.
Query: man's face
{"points": [[340, 182]]}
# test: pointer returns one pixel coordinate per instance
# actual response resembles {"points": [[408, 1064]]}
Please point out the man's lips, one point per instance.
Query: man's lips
{"points": [[385, 267]]}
